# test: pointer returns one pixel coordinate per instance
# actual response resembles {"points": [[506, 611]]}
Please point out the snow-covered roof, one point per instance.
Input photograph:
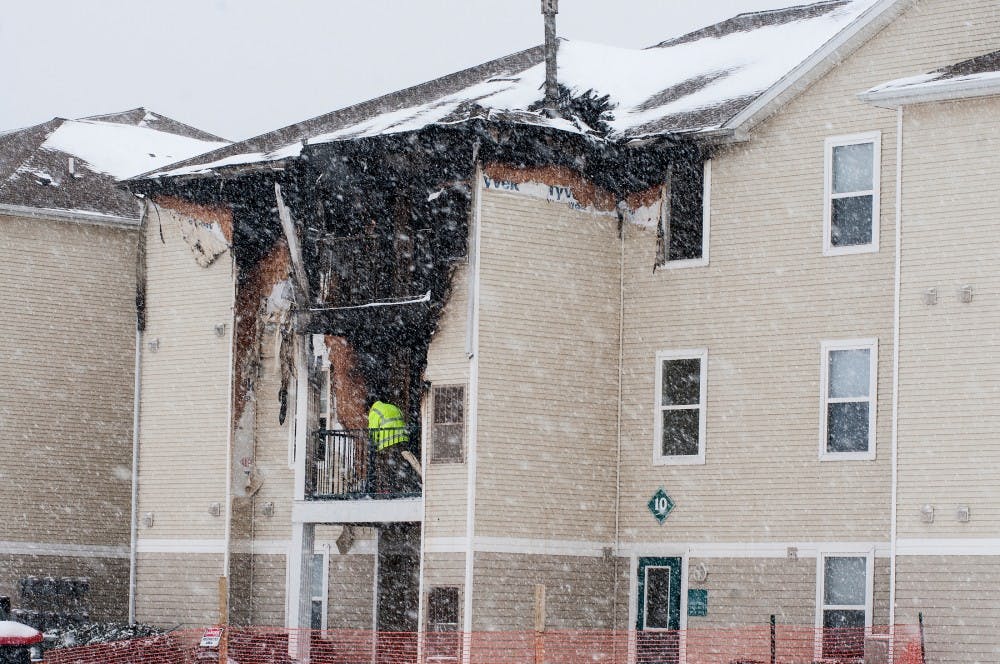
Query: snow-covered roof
{"points": [[975, 77], [73, 165], [691, 84]]}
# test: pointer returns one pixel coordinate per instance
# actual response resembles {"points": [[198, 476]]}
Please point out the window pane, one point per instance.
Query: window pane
{"points": [[849, 373], [316, 615], [844, 635], [681, 382], [680, 432], [658, 597], [442, 607], [687, 191], [449, 404], [851, 221], [844, 582], [853, 167], [448, 430], [847, 427], [317, 575]]}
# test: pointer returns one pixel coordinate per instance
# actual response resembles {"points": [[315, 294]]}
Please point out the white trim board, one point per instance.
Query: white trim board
{"points": [[948, 547], [63, 550], [804, 549], [146, 545], [358, 511], [748, 549]]}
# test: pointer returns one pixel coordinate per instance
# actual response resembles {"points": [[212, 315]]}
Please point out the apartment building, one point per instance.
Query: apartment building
{"points": [[678, 366], [68, 240]]}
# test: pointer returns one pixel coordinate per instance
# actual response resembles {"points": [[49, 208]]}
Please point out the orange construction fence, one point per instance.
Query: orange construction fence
{"points": [[745, 645]]}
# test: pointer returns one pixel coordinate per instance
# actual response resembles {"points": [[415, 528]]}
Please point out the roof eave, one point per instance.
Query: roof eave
{"points": [[824, 59], [931, 92], [77, 216]]}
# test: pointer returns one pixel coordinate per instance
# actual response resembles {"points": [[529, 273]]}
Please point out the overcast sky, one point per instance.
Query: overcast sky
{"points": [[238, 68]]}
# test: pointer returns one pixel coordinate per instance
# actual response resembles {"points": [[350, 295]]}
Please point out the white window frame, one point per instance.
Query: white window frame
{"points": [[660, 459], [832, 552], [875, 138], [706, 217], [871, 345], [323, 550]]}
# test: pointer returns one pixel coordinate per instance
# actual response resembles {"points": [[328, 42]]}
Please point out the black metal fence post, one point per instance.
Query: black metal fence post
{"points": [[774, 639], [923, 651]]}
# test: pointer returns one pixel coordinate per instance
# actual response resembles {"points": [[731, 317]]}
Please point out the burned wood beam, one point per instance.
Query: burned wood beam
{"points": [[294, 249]]}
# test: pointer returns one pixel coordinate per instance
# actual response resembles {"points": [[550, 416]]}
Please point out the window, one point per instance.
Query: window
{"points": [[448, 425], [844, 603], [848, 379], [682, 238], [851, 205], [318, 588], [442, 638], [680, 406]]}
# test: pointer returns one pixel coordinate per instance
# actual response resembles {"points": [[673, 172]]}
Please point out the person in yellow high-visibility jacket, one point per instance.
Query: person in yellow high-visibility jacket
{"points": [[387, 429]]}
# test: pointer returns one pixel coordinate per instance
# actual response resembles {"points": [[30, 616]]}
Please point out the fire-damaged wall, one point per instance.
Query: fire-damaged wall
{"points": [[184, 410]]}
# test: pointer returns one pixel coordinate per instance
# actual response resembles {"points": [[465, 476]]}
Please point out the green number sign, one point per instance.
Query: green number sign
{"points": [[660, 505]]}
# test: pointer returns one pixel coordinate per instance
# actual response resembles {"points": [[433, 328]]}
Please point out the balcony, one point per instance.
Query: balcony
{"points": [[345, 465]]}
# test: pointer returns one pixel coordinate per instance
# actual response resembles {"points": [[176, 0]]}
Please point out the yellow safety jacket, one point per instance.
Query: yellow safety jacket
{"points": [[386, 425]]}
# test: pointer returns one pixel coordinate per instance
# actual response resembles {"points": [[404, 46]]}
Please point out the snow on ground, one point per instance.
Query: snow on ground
{"points": [[123, 151]]}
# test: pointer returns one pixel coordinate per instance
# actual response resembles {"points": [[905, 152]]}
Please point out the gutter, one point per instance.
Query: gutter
{"points": [[78, 216], [140, 282], [950, 90], [134, 526], [895, 373]]}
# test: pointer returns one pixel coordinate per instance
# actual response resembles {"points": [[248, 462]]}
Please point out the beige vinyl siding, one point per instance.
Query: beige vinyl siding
{"points": [[107, 597], [547, 370], [958, 597], [579, 591], [67, 356], [178, 589], [240, 588], [767, 300], [271, 449], [443, 570], [267, 599], [352, 586], [185, 386], [446, 484], [747, 591], [949, 411]]}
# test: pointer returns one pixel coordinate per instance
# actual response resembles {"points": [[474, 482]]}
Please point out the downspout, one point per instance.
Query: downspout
{"points": [[140, 325], [134, 526], [230, 432], [895, 376], [472, 349], [618, 433]]}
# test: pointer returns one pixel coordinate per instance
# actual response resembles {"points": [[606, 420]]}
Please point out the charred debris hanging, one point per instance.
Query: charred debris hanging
{"points": [[383, 222]]}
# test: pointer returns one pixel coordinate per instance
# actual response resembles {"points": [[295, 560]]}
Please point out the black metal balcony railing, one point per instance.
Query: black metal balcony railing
{"points": [[347, 464]]}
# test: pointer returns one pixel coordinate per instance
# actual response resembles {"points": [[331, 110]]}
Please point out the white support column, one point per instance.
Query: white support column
{"points": [[300, 561], [302, 344]]}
